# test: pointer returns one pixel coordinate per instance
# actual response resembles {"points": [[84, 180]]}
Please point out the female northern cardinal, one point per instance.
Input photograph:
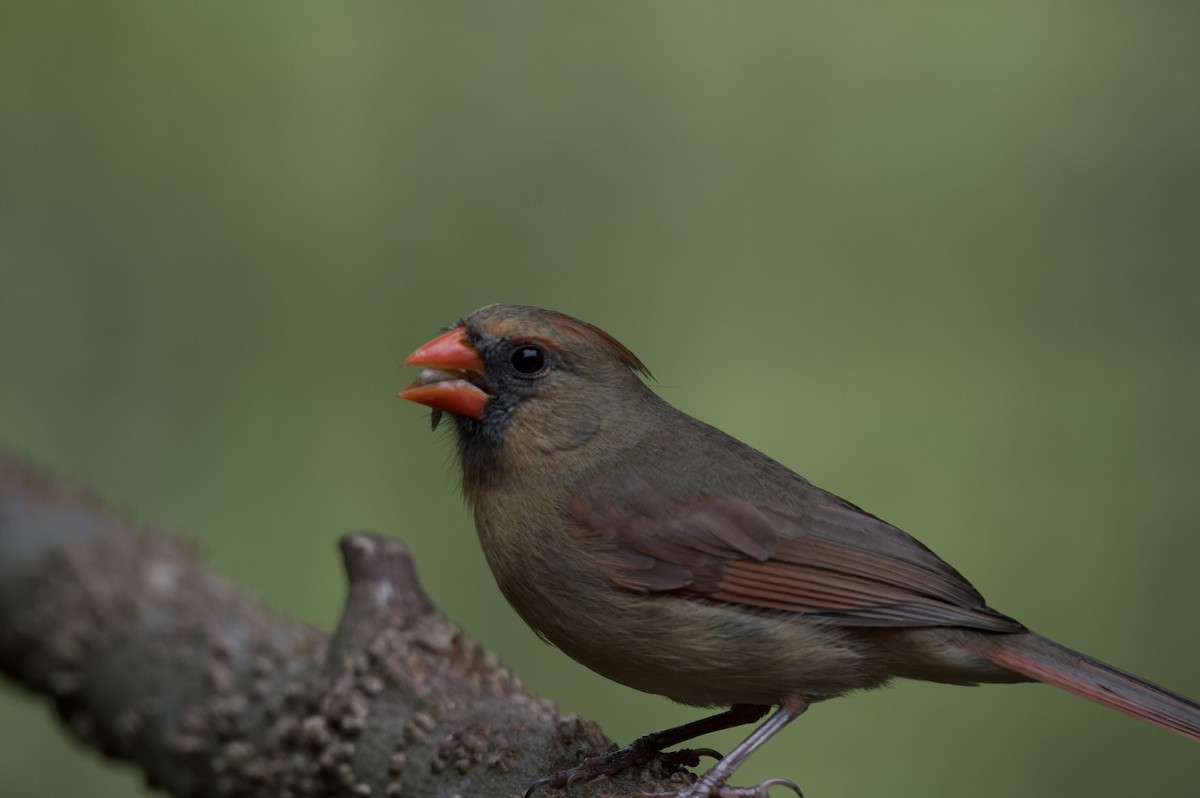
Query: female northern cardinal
{"points": [[664, 554]]}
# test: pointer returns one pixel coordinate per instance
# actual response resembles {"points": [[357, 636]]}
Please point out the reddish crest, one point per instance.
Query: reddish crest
{"points": [[592, 333]]}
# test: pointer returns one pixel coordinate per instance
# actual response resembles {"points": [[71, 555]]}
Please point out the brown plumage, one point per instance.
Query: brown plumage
{"points": [[670, 557]]}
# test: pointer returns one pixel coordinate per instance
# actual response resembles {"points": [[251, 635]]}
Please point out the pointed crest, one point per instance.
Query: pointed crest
{"points": [[591, 332]]}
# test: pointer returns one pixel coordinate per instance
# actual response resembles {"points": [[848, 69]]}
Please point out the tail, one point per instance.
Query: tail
{"points": [[1044, 660]]}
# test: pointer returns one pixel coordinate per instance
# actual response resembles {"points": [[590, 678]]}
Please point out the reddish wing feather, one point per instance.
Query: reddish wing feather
{"points": [[829, 559]]}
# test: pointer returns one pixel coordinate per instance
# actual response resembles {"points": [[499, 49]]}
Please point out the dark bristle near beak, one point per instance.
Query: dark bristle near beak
{"points": [[435, 418]]}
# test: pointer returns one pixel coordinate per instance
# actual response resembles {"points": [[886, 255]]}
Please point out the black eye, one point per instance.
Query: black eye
{"points": [[528, 359]]}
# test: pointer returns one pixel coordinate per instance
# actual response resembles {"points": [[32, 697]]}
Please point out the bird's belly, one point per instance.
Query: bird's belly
{"points": [[692, 651], [701, 654]]}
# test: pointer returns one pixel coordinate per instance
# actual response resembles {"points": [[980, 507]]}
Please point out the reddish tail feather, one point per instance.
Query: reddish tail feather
{"points": [[1046, 661]]}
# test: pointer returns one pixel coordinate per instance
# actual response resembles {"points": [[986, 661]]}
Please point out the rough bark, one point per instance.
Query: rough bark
{"points": [[152, 658]]}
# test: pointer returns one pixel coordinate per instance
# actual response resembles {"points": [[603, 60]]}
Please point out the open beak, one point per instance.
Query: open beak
{"points": [[448, 380]]}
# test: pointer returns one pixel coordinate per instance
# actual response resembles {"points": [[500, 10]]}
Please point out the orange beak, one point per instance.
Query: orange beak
{"points": [[446, 381]]}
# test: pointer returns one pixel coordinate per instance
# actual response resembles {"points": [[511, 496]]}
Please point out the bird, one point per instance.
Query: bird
{"points": [[670, 557]]}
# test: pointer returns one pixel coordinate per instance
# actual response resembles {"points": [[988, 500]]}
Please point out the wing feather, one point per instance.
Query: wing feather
{"points": [[826, 558]]}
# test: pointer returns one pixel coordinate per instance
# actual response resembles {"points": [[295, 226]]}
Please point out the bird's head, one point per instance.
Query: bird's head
{"points": [[526, 385]]}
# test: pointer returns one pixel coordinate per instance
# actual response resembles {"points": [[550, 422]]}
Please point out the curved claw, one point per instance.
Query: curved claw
{"points": [[699, 752], [791, 785], [536, 786], [580, 775], [688, 757]]}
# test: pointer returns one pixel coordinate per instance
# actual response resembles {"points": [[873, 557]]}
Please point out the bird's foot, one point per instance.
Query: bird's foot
{"points": [[703, 789], [640, 752]]}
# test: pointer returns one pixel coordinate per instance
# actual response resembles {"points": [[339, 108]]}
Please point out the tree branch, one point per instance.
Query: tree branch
{"points": [[152, 658]]}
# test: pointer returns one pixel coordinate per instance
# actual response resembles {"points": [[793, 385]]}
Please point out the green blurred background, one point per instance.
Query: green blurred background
{"points": [[943, 259]]}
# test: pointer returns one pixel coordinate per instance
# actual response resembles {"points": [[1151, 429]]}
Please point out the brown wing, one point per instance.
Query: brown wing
{"points": [[826, 559]]}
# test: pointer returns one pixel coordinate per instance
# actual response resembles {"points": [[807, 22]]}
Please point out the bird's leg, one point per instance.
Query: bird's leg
{"points": [[712, 783], [650, 747]]}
